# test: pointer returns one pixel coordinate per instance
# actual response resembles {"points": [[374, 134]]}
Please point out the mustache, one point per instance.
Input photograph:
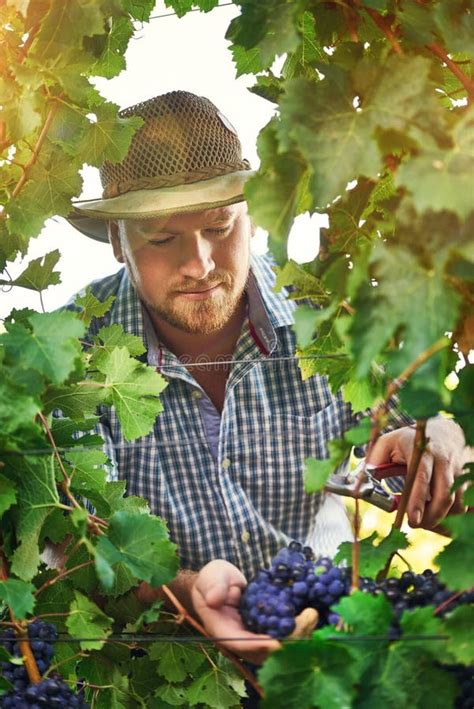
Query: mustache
{"points": [[224, 280]]}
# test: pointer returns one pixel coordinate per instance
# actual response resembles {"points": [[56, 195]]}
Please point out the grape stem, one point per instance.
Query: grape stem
{"points": [[30, 662], [200, 628], [439, 52], [439, 609], [385, 28], [61, 575], [356, 547]]}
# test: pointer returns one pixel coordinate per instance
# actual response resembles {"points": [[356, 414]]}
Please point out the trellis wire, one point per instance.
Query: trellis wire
{"points": [[200, 639]]}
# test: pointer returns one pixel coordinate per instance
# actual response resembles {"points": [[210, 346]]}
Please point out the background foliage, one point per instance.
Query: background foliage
{"points": [[373, 94]]}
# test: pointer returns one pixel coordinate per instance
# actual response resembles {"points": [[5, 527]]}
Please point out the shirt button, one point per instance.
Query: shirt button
{"points": [[226, 463], [196, 394], [245, 537]]}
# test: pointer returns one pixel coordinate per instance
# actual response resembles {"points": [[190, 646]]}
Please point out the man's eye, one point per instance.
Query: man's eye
{"points": [[218, 230], [161, 241]]}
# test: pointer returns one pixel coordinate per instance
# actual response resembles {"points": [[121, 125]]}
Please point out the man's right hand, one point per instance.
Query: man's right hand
{"points": [[216, 595]]}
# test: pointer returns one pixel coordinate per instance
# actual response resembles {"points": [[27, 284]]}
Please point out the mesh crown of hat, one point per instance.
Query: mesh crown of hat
{"points": [[183, 139]]}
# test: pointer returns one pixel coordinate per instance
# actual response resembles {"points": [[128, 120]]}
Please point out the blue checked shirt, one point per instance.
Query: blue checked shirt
{"points": [[230, 484]]}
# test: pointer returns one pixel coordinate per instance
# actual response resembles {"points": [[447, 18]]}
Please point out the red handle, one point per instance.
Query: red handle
{"points": [[387, 470]]}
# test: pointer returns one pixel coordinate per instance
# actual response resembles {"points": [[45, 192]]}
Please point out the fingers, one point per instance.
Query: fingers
{"points": [[220, 583], [252, 648], [442, 479]]}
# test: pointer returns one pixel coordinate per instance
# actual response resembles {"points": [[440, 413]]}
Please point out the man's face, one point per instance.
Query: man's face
{"points": [[189, 269]]}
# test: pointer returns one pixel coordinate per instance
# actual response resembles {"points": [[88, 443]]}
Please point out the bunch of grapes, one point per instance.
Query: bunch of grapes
{"points": [[294, 581], [50, 692]]}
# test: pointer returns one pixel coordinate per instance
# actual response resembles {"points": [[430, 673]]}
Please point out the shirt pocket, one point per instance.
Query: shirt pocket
{"points": [[272, 463]]}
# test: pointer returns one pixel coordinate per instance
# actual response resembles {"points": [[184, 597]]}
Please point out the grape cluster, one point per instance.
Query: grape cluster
{"points": [[50, 692], [42, 636], [416, 590], [294, 581]]}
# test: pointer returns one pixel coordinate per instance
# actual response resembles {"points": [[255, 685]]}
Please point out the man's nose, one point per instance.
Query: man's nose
{"points": [[196, 258]]}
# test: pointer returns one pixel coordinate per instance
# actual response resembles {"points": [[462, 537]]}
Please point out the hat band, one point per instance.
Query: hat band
{"points": [[114, 189]]}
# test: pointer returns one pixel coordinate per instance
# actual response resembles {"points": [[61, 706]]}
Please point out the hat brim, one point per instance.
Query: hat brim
{"points": [[90, 216]]}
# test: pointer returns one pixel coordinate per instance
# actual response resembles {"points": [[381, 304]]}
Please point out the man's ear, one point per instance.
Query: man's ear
{"points": [[114, 238]]}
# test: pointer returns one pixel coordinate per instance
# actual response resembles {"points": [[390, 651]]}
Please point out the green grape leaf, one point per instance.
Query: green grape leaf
{"points": [[171, 695], [7, 494], [213, 689], [114, 336], [86, 620], [335, 136], [456, 561], [56, 527], [270, 26], [76, 401], [409, 678], [421, 622], [109, 136], [68, 128], [133, 389], [406, 294], [308, 52], [247, 61], [53, 180], [303, 283], [140, 542], [317, 472], [372, 559], [140, 9], [21, 111], [65, 25], [19, 596], [309, 673], [274, 192], [308, 320], [17, 412], [91, 307], [37, 496], [456, 24], [88, 472], [441, 177], [462, 402], [50, 347], [112, 60], [176, 661], [105, 671], [458, 625], [366, 614], [39, 273]]}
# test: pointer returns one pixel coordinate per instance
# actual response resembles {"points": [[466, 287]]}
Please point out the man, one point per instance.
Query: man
{"points": [[223, 464]]}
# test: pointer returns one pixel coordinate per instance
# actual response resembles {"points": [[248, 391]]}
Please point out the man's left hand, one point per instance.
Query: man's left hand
{"points": [[441, 463]]}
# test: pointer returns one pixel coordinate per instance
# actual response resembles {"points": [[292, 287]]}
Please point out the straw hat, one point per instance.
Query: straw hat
{"points": [[186, 157]]}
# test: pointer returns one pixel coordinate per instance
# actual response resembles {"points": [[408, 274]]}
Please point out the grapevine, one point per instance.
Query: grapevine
{"points": [[373, 126]]}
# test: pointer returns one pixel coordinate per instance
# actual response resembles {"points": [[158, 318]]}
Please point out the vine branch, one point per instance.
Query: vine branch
{"points": [[419, 447], [384, 26], [453, 67]]}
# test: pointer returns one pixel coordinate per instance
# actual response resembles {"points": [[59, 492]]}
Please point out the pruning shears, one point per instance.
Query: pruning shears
{"points": [[364, 483]]}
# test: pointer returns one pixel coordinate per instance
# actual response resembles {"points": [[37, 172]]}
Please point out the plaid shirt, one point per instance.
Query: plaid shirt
{"points": [[230, 485]]}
